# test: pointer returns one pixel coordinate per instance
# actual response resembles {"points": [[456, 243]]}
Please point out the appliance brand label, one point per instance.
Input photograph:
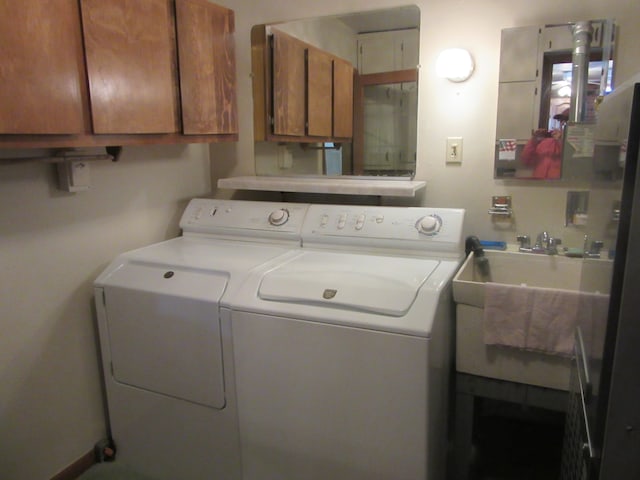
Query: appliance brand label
{"points": [[329, 293]]}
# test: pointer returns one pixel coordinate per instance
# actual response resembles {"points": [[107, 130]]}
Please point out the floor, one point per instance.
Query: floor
{"points": [[511, 443], [111, 471]]}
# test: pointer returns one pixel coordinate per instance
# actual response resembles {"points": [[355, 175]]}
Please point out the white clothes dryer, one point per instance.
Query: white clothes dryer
{"points": [[166, 348], [342, 352]]}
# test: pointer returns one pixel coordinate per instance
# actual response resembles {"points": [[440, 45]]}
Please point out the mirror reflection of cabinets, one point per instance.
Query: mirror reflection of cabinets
{"points": [[337, 95], [551, 78], [305, 93]]}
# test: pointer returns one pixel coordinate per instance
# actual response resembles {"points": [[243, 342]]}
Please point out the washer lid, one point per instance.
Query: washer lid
{"points": [[371, 283]]}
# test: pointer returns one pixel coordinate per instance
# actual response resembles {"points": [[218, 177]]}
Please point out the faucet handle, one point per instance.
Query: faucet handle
{"points": [[596, 246], [553, 245], [594, 250], [525, 243]]}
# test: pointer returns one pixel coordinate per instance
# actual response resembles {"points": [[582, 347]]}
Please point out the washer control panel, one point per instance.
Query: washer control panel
{"points": [[243, 218], [416, 229], [422, 228]]}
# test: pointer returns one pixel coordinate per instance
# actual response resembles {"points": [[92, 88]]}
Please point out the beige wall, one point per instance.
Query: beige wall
{"points": [[447, 109], [52, 246]]}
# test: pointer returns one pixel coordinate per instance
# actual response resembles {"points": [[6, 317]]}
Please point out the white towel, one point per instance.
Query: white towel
{"points": [[539, 319]]}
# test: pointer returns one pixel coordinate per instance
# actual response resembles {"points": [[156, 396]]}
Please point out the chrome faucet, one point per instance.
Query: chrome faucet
{"points": [[542, 242], [546, 244]]}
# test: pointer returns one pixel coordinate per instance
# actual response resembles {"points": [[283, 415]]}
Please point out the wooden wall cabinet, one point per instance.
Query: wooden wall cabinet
{"points": [[42, 87], [301, 93], [206, 49], [106, 72]]}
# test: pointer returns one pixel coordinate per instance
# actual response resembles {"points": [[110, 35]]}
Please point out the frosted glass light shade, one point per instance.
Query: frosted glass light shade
{"points": [[455, 64]]}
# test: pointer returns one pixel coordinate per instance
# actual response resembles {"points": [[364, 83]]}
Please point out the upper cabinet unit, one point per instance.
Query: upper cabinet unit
{"points": [[116, 72], [42, 86], [130, 53], [302, 93], [388, 51], [206, 50], [519, 82]]}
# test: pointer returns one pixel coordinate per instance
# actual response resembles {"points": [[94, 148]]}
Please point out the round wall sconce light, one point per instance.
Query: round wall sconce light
{"points": [[455, 64]]}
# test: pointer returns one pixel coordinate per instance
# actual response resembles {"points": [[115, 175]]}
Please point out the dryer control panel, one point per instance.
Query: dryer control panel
{"points": [[418, 229], [240, 218]]}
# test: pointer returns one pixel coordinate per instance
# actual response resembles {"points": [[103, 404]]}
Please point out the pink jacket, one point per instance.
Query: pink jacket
{"points": [[545, 156]]}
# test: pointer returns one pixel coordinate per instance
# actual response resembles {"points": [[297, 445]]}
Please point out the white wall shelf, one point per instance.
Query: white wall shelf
{"points": [[379, 186]]}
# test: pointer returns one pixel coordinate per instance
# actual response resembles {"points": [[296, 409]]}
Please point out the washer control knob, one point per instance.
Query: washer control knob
{"points": [[278, 217], [429, 225]]}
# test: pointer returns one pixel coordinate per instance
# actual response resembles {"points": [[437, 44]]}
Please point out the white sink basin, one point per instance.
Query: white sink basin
{"points": [[514, 268], [530, 269]]}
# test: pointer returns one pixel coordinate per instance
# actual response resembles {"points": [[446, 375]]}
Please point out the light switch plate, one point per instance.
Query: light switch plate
{"points": [[454, 150]]}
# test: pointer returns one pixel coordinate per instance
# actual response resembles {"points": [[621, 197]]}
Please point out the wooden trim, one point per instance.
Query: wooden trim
{"points": [[77, 468], [399, 76], [74, 141], [306, 139]]}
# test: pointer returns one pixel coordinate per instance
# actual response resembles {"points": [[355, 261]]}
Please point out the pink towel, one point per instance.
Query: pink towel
{"points": [[507, 313], [539, 319]]}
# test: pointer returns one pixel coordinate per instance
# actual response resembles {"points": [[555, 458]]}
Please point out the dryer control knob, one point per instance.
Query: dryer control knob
{"points": [[429, 225], [278, 217]]}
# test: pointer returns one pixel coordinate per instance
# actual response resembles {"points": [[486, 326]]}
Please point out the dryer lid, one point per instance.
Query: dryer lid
{"points": [[164, 331], [371, 283]]}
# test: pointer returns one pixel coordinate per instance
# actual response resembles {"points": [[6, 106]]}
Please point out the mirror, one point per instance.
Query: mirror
{"points": [[551, 79], [382, 46]]}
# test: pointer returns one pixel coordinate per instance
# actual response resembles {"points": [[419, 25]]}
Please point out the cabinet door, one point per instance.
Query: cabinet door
{"points": [[319, 96], [342, 98], [288, 107], [519, 54], [409, 41], [376, 53], [42, 88], [130, 53], [206, 52], [516, 110], [388, 51]]}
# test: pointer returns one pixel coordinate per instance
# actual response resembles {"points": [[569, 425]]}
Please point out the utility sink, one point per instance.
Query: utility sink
{"points": [[534, 270], [515, 268]]}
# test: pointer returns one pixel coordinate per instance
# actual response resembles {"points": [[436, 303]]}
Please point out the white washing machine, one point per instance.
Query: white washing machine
{"points": [[343, 351], [166, 348]]}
